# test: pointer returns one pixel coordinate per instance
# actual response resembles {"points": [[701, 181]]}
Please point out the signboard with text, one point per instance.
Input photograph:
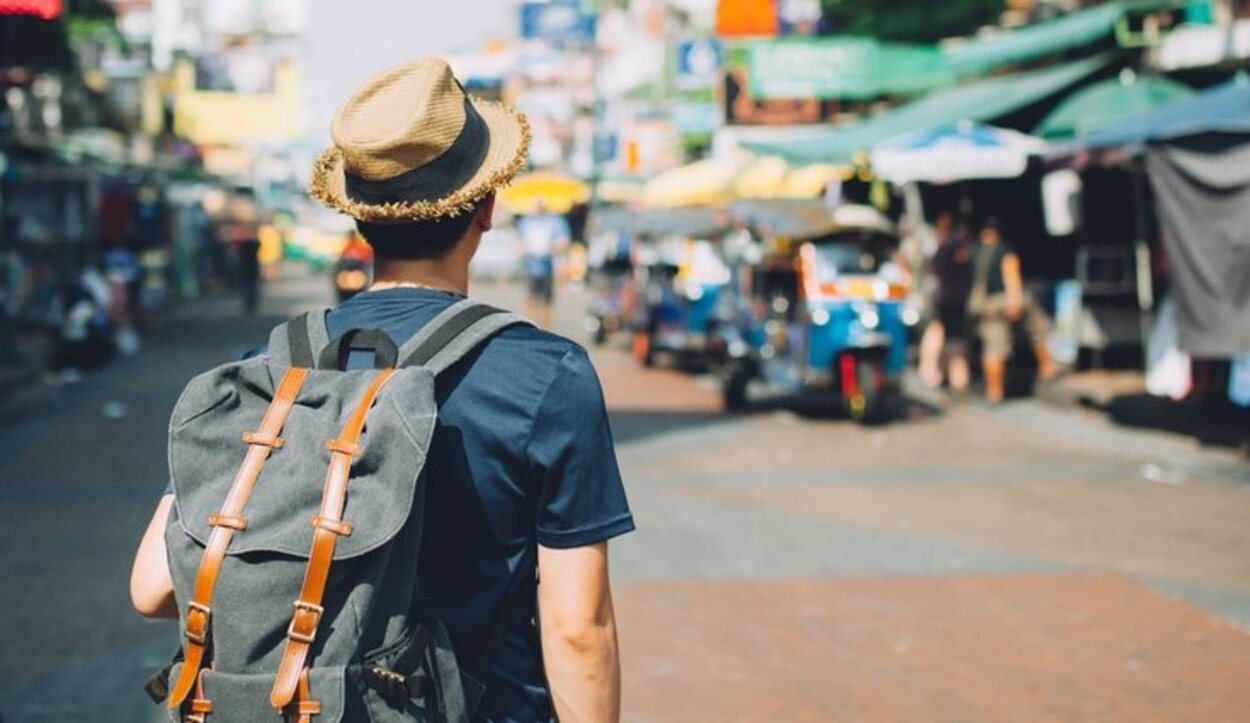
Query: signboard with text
{"points": [[698, 63], [842, 68]]}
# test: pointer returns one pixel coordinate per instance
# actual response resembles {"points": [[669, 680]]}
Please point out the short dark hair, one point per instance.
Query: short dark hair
{"points": [[416, 239]]}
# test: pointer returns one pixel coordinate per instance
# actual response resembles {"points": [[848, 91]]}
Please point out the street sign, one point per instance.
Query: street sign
{"points": [[698, 63]]}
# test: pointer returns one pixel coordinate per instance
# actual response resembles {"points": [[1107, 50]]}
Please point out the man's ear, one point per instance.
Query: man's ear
{"points": [[486, 213]]}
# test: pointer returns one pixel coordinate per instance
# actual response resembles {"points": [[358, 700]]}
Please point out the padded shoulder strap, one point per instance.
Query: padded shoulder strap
{"points": [[454, 333], [297, 342]]}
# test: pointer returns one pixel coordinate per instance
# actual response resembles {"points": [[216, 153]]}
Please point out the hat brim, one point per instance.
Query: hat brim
{"points": [[509, 149]]}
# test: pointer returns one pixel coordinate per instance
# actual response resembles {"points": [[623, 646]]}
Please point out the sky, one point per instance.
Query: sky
{"points": [[349, 40]]}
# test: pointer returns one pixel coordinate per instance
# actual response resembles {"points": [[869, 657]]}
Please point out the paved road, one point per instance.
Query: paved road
{"points": [[1029, 563]]}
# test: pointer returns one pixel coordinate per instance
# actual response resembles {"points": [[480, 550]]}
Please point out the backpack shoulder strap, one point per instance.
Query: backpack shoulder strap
{"points": [[297, 342], [455, 332]]}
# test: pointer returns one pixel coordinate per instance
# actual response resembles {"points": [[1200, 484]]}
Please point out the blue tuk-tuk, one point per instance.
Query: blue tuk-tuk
{"points": [[823, 310], [680, 276]]}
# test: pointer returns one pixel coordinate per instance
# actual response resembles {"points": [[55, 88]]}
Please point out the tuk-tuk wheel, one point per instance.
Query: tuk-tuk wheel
{"points": [[734, 387], [641, 348], [600, 335], [861, 387]]}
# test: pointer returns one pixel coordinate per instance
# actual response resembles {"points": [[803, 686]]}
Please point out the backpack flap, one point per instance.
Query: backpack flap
{"points": [[206, 449], [244, 697]]}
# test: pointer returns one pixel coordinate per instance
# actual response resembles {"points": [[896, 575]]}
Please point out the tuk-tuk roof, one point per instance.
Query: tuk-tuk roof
{"points": [[793, 218], [693, 222], [806, 219], [852, 217]]}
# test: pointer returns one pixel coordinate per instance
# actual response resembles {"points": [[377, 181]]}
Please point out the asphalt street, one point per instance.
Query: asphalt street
{"points": [[1024, 563]]}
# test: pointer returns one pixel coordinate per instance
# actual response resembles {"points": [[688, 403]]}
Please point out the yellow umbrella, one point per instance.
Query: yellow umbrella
{"points": [[810, 181], [702, 183], [556, 193], [762, 178]]}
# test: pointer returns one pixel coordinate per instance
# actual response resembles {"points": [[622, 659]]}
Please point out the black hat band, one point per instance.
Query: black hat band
{"points": [[437, 179]]}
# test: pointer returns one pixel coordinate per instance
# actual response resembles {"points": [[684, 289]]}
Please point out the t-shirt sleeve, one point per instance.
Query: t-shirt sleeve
{"points": [[581, 497]]}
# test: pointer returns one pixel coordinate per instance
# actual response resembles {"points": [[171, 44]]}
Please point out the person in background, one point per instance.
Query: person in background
{"points": [[543, 237], [85, 338], [354, 267], [947, 333], [243, 220], [10, 292], [997, 301]]}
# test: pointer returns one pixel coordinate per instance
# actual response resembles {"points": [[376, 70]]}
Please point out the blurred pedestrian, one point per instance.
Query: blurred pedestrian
{"points": [[946, 336], [243, 229], [84, 338], [522, 476], [997, 302], [353, 268], [544, 236], [10, 283]]}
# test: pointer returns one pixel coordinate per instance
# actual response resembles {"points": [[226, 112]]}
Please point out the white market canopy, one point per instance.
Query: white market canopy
{"points": [[960, 152]]}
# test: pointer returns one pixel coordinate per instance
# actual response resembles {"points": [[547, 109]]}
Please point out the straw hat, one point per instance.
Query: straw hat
{"points": [[411, 145]]}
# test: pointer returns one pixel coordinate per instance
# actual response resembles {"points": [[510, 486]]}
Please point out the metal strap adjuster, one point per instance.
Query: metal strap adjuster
{"points": [[200, 635], [311, 631]]}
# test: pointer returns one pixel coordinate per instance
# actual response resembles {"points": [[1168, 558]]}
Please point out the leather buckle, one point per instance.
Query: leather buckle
{"points": [[304, 636], [199, 635]]}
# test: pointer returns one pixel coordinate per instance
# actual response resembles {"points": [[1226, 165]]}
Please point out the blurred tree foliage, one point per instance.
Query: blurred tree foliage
{"points": [[909, 20]]}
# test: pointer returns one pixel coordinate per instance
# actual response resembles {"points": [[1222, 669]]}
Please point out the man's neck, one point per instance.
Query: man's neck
{"points": [[445, 274]]}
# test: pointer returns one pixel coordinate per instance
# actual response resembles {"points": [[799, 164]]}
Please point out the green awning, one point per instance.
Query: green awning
{"points": [[1107, 103], [1062, 34], [982, 101], [848, 67], [1073, 30]]}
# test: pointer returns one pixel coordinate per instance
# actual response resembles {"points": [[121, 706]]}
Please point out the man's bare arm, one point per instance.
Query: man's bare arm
{"points": [[1014, 284], [151, 586], [578, 629]]}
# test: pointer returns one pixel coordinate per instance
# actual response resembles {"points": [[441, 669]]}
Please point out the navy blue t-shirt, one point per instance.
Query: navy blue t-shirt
{"points": [[522, 453]]}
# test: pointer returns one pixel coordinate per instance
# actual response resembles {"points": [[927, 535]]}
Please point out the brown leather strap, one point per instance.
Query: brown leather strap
{"points": [[200, 706], [302, 708], [225, 524], [308, 610]]}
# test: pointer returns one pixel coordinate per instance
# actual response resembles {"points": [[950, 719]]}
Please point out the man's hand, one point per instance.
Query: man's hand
{"points": [[578, 630], [151, 586]]}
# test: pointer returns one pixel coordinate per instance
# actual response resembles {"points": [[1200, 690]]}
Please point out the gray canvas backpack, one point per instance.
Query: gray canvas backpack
{"points": [[296, 531]]}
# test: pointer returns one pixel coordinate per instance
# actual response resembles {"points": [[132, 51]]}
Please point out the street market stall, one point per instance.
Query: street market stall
{"points": [[1197, 155]]}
